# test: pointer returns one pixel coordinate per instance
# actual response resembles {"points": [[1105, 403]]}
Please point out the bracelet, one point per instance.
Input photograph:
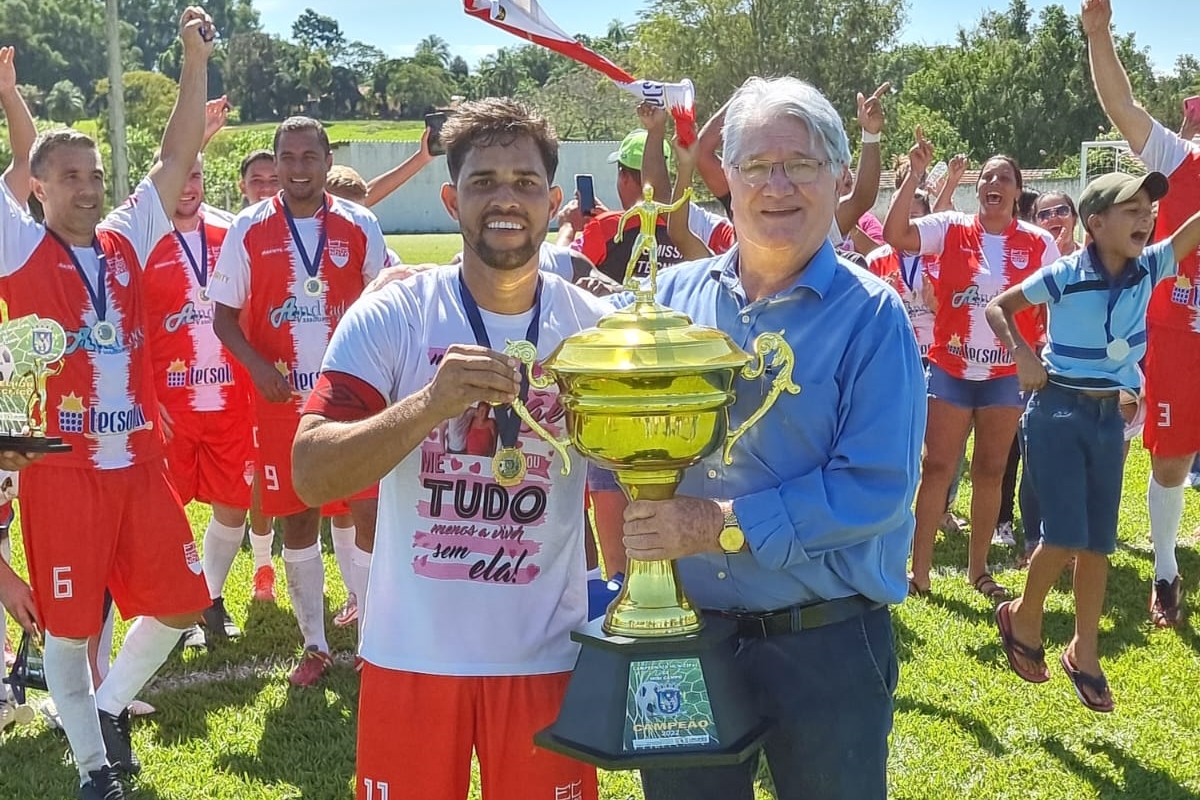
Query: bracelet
{"points": [[870, 138]]}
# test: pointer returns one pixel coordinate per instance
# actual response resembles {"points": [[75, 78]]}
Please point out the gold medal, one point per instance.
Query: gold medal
{"points": [[508, 466]]}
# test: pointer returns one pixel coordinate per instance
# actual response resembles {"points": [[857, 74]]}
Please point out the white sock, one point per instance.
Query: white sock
{"points": [[260, 546], [360, 573], [1166, 512], [594, 574], [105, 644], [70, 682], [144, 650], [221, 545], [306, 587], [343, 552]]}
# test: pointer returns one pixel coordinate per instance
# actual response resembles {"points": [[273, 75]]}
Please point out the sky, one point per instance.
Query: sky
{"points": [[396, 26]]}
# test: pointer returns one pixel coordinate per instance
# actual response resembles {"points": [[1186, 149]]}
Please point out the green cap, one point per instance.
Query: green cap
{"points": [[1116, 188], [629, 154]]}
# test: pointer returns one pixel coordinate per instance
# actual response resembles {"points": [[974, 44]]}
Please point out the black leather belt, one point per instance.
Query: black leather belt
{"points": [[760, 624]]}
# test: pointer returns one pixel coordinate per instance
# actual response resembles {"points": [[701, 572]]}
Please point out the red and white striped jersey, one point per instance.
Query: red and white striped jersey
{"points": [[192, 369], [974, 267], [103, 402], [909, 275], [261, 272], [1176, 304]]}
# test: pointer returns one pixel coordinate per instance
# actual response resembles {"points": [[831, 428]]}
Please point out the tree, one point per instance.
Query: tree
{"points": [[414, 88], [155, 24], [435, 47], [501, 74], [65, 103], [149, 99], [582, 104], [319, 32], [720, 43]]}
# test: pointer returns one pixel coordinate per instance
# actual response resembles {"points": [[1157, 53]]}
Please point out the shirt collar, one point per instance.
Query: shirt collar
{"points": [[1126, 277], [817, 275]]}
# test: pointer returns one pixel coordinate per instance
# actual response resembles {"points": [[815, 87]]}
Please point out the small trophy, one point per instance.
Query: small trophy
{"points": [[31, 351]]}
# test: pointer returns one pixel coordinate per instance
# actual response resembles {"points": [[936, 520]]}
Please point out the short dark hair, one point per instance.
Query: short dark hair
{"points": [[300, 123], [496, 120], [46, 143], [256, 155], [1026, 204], [634, 174]]}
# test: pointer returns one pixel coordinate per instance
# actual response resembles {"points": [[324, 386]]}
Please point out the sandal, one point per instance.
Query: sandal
{"points": [[917, 591], [1096, 684], [986, 585], [1013, 649]]}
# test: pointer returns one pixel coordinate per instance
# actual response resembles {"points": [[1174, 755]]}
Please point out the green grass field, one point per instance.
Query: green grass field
{"points": [[229, 727], [351, 130]]}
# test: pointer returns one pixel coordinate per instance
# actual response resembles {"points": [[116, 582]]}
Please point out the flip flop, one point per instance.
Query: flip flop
{"points": [[1080, 680], [986, 585], [1013, 648]]}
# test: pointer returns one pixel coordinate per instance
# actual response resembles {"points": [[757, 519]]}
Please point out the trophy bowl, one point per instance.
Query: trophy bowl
{"points": [[646, 394]]}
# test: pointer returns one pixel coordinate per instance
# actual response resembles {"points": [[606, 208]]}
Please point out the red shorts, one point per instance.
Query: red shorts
{"points": [[273, 437], [1172, 368], [118, 529], [416, 733], [211, 457]]}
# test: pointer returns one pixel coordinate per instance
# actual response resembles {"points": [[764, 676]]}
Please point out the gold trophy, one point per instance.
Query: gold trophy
{"points": [[31, 351], [646, 394]]}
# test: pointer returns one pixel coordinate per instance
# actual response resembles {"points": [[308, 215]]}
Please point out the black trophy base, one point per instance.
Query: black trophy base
{"points": [[33, 444], [649, 703]]}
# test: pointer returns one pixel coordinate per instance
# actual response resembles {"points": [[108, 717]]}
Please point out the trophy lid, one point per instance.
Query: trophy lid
{"points": [[646, 337]]}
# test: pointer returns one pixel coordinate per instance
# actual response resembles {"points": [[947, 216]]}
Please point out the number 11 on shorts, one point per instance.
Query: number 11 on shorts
{"points": [[371, 785]]}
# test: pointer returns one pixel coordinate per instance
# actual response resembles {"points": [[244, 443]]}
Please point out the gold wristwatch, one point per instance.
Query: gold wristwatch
{"points": [[732, 538]]}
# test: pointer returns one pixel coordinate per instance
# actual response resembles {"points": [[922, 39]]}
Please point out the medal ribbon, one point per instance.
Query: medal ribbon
{"points": [[311, 265], [201, 271], [99, 294], [508, 424]]}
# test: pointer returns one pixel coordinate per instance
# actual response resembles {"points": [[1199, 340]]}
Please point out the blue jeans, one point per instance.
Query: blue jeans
{"points": [[830, 691]]}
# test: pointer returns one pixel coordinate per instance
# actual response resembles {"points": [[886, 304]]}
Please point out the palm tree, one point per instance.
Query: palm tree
{"points": [[618, 32], [65, 103], [435, 46]]}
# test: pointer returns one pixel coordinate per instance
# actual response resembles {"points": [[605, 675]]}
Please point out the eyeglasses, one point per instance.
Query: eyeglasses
{"points": [[798, 170], [1057, 211]]}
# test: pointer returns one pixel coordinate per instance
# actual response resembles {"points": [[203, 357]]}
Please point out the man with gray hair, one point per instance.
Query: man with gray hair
{"points": [[803, 539]]}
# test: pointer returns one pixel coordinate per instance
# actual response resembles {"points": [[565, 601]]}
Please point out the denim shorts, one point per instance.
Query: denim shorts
{"points": [[1005, 391], [1074, 454]]}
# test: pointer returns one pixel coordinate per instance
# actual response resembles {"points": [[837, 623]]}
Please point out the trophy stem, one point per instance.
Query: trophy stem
{"points": [[652, 603]]}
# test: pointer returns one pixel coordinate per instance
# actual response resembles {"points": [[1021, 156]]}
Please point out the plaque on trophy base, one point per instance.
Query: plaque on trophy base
{"points": [[30, 349], [636, 703]]}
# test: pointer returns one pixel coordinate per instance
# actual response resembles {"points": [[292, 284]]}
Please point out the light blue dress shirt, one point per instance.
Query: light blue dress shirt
{"points": [[823, 485]]}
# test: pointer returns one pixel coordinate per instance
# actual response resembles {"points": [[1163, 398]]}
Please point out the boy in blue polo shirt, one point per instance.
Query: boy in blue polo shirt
{"points": [[1096, 302]]}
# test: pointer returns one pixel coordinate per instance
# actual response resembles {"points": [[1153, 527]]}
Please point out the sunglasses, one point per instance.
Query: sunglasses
{"points": [[1045, 214]]}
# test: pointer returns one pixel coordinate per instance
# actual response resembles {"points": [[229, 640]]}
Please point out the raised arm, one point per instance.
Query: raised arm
{"points": [[956, 169], [677, 221], [216, 115], [185, 129], [1110, 78], [654, 159], [898, 230], [381, 186], [1186, 239], [870, 161], [21, 131], [708, 163]]}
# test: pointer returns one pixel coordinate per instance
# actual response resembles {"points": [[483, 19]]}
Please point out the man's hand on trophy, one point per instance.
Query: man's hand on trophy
{"points": [[14, 461], [666, 529], [470, 374]]}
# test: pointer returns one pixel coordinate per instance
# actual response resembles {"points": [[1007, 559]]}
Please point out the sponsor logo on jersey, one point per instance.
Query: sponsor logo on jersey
{"points": [[339, 252], [180, 375], [294, 310], [82, 339], [971, 296], [298, 379], [188, 314], [118, 268], [92, 421]]}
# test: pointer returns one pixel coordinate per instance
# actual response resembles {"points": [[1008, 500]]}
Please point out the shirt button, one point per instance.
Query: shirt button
{"points": [[712, 473], [721, 575], [746, 318]]}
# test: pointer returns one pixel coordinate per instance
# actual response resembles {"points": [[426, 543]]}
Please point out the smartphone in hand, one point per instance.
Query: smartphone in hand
{"points": [[434, 123], [586, 188], [1191, 107]]}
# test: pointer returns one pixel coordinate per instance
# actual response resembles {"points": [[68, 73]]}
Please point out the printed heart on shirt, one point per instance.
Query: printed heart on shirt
{"points": [[455, 464], [474, 468]]}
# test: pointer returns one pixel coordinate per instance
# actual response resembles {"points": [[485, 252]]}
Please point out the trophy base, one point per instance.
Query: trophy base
{"points": [[664, 702], [34, 444]]}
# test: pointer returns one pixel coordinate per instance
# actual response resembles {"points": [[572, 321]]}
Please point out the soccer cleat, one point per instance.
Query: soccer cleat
{"points": [[217, 622], [313, 664], [264, 584], [348, 613], [1004, 535], [103, 784], [195, 637], [49, 713], [140, 708], [118, 743], [1164, 603]]}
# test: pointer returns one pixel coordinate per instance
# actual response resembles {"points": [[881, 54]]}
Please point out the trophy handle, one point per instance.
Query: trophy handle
{"points": [[765, 345], [526, 353]]}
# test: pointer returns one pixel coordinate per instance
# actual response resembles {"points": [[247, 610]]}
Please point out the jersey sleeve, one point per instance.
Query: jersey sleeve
{"points": [[20, 234], [377, 250], [722, 238], [933, 229], [871, 226], [1160, 260], [229, 283], [140, 219], [377, 341], [594, 241], [1045, 286], [1164, 150]]}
